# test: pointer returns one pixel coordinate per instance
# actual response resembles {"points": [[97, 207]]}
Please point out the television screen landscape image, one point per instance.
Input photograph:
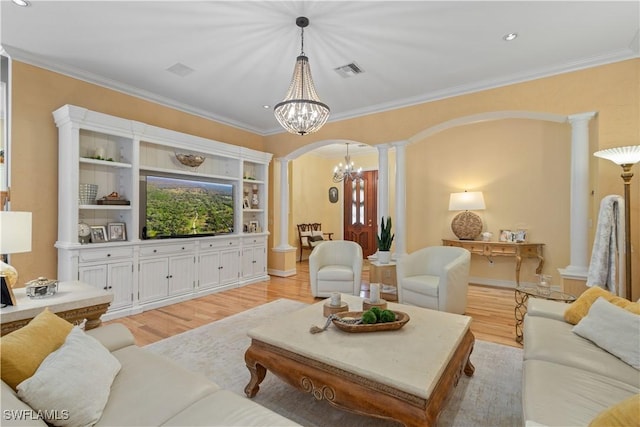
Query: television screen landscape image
{"points": [[177, 207]]}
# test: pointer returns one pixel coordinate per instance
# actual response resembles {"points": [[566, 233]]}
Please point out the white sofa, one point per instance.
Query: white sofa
{"points": [[335, 266], [567, 379], [151, 390]]}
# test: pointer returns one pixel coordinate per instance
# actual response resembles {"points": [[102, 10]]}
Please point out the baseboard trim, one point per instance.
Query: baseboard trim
{"points": [[282, 273]]}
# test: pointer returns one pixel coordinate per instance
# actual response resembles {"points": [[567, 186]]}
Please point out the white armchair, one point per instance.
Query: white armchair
{"points": [[436, 277], [335, 266]]}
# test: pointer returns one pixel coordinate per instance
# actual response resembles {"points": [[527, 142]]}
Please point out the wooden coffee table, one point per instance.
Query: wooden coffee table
{"points": [[406, 375]]}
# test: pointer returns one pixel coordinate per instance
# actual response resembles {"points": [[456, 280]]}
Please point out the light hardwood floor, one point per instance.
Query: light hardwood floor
{"points": [[492, 309]]}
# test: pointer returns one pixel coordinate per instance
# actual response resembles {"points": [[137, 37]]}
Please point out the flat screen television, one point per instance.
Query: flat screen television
{"points": [[181, 207]]}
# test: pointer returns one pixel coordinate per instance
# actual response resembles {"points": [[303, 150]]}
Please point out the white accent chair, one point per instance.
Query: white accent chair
{"points": [[435, 277], [335, 266]]}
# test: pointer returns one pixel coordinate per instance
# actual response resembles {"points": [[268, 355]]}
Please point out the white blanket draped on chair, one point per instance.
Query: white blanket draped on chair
{"points": [[608, 247]]}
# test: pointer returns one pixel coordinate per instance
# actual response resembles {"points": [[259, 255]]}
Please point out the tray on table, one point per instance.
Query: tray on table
{"points": [[401, 319]]}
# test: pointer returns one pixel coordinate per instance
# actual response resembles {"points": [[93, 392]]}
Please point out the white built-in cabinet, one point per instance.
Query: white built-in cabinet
{"points": [[140, 273]]}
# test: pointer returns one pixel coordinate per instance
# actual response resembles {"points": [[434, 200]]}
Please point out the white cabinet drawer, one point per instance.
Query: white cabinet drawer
{"points": [[219, 244], [105, 254], [258, 240], [177, 248]]}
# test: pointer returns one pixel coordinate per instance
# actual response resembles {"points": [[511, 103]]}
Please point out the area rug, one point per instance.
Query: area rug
{"points": [[492, 397]]}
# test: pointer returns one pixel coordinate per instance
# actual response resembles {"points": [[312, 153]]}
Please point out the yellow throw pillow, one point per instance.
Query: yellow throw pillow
{"points": [[22, 351], [580, 307], [623, 414]]}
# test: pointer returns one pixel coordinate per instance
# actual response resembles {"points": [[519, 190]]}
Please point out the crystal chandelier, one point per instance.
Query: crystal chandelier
{"points": [[348, 171], [301, 112]]}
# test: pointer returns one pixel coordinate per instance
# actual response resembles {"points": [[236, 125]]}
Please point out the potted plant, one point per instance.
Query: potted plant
{"points": [[385, 238]]}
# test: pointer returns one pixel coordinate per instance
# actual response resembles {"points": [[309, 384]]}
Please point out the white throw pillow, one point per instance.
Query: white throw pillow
{"points": [[613, 329], [72, 385]]}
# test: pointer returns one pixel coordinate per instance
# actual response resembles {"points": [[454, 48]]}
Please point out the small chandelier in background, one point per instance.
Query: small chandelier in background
{"points": [[301, 112], [348, 171]]}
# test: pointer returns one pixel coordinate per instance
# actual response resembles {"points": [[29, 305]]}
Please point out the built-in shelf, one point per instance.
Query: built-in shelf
{"points": [[104, 163], [187, 173]]}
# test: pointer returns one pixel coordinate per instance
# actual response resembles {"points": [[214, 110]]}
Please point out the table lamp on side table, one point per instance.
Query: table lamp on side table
{"points": [[15, 237]]}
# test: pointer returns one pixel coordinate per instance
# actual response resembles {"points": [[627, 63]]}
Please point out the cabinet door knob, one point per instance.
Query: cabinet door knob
{"points": [[108, 255], [155, 250], [166, 277], [183, 248], [105, 288]]}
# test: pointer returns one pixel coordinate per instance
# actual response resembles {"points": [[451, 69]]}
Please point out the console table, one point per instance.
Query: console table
{"points": [[509, 249], [74, 302]]}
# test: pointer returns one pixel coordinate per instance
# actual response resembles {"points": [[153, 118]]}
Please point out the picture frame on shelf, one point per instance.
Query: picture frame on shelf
{"points": [[520, 236], [99, 234], [506, 236], [254, 226], [117, 231]]}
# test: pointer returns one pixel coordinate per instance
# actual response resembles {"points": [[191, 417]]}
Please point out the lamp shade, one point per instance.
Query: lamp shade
{"points": [[466, 201], [629, 155], [15, 232]]}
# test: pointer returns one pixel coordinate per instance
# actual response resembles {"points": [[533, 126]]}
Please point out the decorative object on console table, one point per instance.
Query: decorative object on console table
{"points": [[625, 157], [385, 239], [466, 225], [15, 237]]}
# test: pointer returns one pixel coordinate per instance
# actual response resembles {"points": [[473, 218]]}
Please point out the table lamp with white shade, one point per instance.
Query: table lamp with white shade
{"points": [[466, 225], [15, 237], [625, 157]]}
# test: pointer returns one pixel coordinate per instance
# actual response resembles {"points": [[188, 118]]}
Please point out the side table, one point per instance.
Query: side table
{"points": [[74, 302], [385, 274], [522, 294]]}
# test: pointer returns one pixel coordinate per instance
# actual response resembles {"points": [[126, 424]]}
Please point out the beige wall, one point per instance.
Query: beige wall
{"points": [[613, 91], [521, 166], [34, 158]]}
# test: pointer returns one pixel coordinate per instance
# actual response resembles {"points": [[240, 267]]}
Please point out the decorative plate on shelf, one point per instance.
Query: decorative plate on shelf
{"points": [[401, 320]]}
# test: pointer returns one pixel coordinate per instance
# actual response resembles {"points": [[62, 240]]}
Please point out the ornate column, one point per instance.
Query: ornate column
{"points": [[579, 197], [283, 235], [282, 261], [400, 220], [383, 181]]}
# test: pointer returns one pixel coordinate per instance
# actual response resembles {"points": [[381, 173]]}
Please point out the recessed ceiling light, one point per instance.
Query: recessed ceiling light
{"points": [[509, 37], [21, 3]]}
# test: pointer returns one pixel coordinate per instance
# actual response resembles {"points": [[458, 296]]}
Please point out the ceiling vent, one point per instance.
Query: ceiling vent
{"points": [[180, 69], [349, 70]]}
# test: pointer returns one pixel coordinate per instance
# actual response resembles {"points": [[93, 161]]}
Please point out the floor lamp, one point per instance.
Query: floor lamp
{"points": [[625, 157]]}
